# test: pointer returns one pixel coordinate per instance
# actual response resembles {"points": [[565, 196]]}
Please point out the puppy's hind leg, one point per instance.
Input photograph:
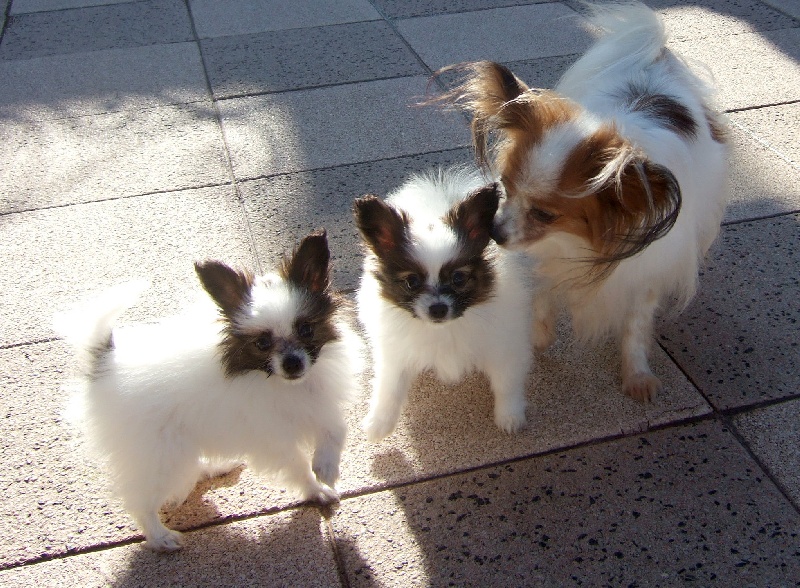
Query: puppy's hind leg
{"points": [[158, 536], [638, 380], [545, 313], [298, 474]]}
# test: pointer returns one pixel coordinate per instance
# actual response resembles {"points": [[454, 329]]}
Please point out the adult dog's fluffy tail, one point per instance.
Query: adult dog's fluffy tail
{"points": [[632, 37]]}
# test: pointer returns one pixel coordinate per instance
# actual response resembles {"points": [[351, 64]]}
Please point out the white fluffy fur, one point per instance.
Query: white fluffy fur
{"points": [[493, 337], [160, 408], [624, 302]]}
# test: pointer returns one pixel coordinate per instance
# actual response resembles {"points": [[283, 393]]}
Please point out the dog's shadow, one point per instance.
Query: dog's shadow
{"points": [[285, 549]]}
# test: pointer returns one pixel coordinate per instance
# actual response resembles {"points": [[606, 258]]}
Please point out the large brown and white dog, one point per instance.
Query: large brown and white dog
{"points": [[615, 181]]}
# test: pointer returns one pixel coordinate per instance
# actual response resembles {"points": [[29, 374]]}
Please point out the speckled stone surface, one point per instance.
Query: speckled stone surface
{"points": [[240, 17], [664, 509], [547, 30], [305, 58], [309, 129], [773, 433], [66, 161], [790, 7], [95, 82], [98, 27], [738, 339], [22, 6], [70, 254], [409, 8], [775, 126], [285, 549]]}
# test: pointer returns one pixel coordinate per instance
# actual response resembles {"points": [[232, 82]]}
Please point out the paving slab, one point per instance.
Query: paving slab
{"points": [[284, 208], [57, 257], [749, 60], [574, 396], [502, 34], [669, 508], [22, 6], [775, 126], [773, 434], [131, 24], [737, 340], [326, 127], [240, 17], [305, 58], [63, 161], [790, 7], [285, 549], [408, 8], [95, 82], [761, 182]]}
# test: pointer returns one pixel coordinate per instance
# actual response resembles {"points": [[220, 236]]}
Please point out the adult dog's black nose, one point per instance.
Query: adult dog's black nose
{"points": [[438, 311], [497, 234]]}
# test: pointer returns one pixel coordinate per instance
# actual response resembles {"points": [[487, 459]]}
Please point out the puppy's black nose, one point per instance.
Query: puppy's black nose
{"points": [[438, 311], [292, 365], [497, 234]]}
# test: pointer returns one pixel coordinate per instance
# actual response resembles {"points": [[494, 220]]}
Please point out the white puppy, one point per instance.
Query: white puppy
{"points": [[616, 181], [260, 378], [436, 294]]}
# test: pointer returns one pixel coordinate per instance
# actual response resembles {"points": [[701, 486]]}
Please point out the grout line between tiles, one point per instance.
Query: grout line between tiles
{"points": [[764, 143], [759, 218], [341, 565], [6, 18]]}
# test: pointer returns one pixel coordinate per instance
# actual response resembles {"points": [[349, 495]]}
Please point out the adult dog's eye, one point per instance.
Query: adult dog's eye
{"points": [[542, 216], [458, 278], [305, 330], [264, 342], [413, 281]]}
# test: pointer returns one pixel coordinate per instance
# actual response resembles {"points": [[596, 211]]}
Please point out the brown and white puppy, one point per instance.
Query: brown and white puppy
{"points": [[437, 294], [615, 181], [259, 376]]}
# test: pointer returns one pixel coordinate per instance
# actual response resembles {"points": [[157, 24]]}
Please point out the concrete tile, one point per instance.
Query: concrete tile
{"points": [[790, 7], [762, 183], [23, 6], [409, 8], [738, 339], [574, 396], [776, 126], [750, 59], [285, 549], [4, 9], [77, 84], [282, 209], [99, 27], [54, 258], [547, 30], [543, 72], [773, 433], [240, 17], [305, 58], [325, 127], [669, 508], [57, 162]]}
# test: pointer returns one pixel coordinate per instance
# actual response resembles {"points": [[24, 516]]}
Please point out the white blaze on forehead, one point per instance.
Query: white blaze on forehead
{"points": [[274, 307], [434, 243]]}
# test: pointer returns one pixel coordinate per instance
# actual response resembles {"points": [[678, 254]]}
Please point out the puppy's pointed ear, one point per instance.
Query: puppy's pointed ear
{"points": [[382, 227], [229, 288], [309, 265], [472, 218]]}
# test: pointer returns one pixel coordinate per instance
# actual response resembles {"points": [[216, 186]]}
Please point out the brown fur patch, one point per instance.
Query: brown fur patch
{"points": [[716, 125]]}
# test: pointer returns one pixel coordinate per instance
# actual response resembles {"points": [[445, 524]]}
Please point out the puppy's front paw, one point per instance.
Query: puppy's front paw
{"points": [[165, 542], [510, 420], [378, 427], [326, 468], [642, 386], [321, 493]]}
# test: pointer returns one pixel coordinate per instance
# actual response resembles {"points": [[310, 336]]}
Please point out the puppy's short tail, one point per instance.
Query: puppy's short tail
{"points": [[88, 328], [632, 37]]}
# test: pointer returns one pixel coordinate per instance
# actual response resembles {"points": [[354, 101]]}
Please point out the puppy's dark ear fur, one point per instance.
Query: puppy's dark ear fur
{"points": [[472, 218], [228, 287], [381, 226], [309, 265]]}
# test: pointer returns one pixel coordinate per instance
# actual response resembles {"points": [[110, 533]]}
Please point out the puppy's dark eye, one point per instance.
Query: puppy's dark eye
{"points": [[542, 216], [305, 330], [264, 342], [413, 281], [458, 278]]}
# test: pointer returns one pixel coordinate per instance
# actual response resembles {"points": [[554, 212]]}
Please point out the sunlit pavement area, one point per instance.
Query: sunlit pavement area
{"points": [[138, 137]]}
